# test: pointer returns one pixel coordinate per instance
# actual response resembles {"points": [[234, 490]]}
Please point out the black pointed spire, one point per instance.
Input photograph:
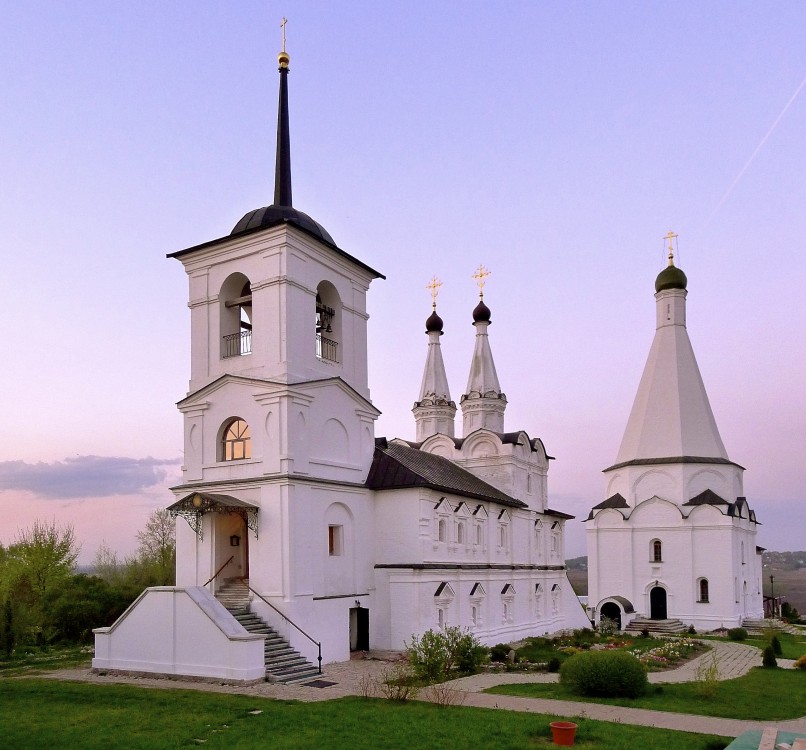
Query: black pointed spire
{"points": [[282, 164]]}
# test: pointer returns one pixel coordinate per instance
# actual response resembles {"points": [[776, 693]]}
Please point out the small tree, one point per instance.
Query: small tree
{"points": [[436, 653], [157, 550]]}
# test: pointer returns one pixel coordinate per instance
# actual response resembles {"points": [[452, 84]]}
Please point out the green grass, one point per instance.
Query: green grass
{"points": [[791, 646], [37, 713], [762, 694]]}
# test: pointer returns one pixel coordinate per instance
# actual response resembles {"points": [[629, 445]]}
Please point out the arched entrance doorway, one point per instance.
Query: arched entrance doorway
{"points": [[657, 603], [612, 611]]}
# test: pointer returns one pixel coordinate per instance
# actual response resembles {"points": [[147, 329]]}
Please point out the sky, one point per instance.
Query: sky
{"points": [[554, 142]]}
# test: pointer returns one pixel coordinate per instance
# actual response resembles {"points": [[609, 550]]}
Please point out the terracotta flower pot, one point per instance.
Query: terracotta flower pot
{"points": [[562, 732]]}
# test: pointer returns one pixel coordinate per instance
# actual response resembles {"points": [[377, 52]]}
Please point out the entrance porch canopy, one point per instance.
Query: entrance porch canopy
{"points": [[193, 507]]}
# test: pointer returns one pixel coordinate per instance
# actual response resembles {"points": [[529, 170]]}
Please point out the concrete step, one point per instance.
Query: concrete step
{"points": [[655, 626]]}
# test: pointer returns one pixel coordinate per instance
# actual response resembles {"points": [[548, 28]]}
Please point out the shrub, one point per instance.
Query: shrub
{"points": [[428, 655], [644, 632], [800, 663], [708, 676], [607, 626], [737, 634], [776, 645], [691, 630], [398, 684], [554, 664], [769, 660], [499, 652], [436, 653], [604, 673]]}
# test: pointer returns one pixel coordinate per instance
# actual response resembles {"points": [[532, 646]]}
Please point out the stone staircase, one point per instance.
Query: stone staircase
{"points": [[762, 627], [283, 663], [656, 627]]}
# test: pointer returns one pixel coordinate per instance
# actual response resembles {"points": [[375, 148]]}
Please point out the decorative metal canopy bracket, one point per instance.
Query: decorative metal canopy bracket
{"points": [[193, 507]]}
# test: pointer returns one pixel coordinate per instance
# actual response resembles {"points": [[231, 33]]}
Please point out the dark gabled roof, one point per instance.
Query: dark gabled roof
{"points": [[442, 586], [673, 460], [707, 497], [614, 501], [476, 587], [396, 466], [557, 514]]}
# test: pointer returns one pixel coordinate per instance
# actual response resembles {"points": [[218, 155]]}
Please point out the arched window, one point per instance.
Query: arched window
{"points": [[441, 530], [703, 590], [479, 537], [236, 443], [460, 533], [657, 551]]}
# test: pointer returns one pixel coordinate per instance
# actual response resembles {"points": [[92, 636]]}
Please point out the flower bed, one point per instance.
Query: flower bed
{"points": [[667, 654]]}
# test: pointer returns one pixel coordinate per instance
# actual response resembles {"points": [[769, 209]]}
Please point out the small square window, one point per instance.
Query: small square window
{"points": [[335, 540]]}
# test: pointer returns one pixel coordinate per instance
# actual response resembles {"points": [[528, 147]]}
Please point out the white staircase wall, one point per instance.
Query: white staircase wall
{"points": [[170, 630]]}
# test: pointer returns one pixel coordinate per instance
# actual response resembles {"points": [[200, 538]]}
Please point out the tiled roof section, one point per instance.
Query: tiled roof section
{"points": [[707, 497], [396, 466]]}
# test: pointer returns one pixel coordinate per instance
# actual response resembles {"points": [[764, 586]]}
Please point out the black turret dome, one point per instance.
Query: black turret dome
{"points": [[670, 277], [434, 323], [481, 313], [262, 218]]}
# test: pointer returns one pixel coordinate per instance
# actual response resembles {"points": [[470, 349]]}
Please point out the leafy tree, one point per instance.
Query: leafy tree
{"points": [[157, 550], [45, 554]]}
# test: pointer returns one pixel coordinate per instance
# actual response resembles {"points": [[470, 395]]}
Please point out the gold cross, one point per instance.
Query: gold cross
{"points": [[670, 236], [282, 26], [481, 274], [433, 286]]}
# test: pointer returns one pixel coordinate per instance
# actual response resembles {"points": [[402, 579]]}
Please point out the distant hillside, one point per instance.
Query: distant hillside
{"points": [[577, 563], [784, 560]]}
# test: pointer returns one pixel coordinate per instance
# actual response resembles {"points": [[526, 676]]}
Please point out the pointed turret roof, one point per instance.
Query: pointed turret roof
{"points": [[671, 417], [483, 403], [434, 412]]}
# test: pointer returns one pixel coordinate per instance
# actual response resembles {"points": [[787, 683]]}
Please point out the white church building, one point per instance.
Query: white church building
{"points": [[675, 538], [290, 507]]}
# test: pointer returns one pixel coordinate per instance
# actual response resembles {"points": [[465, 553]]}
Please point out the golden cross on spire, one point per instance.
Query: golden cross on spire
{"points": [[282, 26], [670, 236], [480, 274], [433, 287]]}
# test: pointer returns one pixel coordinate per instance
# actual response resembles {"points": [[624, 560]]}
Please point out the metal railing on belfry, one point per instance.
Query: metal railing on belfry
{"points": [[236, 344], [291, 622]]}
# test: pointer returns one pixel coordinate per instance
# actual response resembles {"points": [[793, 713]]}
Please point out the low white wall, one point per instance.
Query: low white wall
{"points": [[172, 630]]}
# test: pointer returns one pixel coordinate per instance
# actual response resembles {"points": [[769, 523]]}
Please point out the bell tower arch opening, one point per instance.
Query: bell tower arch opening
{"points": [[328, 323], [235, 300]]}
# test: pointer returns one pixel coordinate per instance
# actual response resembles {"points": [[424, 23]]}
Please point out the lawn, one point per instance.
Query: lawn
{"points": [[762, 694], [36, 713], [792, 646]]}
